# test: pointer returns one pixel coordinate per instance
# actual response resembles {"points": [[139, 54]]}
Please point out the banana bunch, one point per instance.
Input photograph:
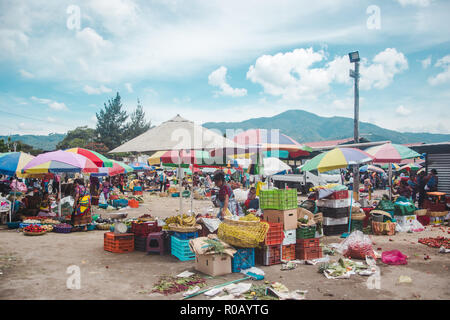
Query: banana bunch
{"points": [[185, 220], [249, 217]]}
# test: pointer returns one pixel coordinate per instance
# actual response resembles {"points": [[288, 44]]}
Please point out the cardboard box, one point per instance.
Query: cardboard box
{"points": [[213, 264], [287, 217]]}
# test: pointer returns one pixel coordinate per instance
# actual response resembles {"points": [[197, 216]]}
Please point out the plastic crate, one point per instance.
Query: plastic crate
{"points": [[143, 229], [118, 243], [290, 237], [175, 195], [338, 195], [140, 243], [308, 243], [436, 221], [180, 249], [288, 252], [306, 233], [335, 230], [268, 255], [357, 225], [279, 199], [341, 203], [327, 221], [308, 253], [243, 259], [275, 235], [186, 235], [335, 212]]}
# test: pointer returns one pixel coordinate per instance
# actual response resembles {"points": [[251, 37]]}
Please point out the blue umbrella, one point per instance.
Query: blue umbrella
{"points": [[141, 166]]}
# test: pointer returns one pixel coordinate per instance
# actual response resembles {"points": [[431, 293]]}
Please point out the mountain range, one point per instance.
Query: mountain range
{"points": [[300, 125], [304, 126]]}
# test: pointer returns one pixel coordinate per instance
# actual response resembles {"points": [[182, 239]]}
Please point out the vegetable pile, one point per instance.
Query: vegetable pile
{"points": [[171, 285], [34, 229], [436, 242]]}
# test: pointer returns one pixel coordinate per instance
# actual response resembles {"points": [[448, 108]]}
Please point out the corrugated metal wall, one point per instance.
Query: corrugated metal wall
{"points": [[441, 162]]}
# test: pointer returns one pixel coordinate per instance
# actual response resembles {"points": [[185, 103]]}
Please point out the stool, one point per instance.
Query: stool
{"points": [[158, 238]]}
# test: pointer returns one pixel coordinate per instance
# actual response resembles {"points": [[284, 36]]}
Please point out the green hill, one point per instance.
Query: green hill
{"points": [[47, 143], [307, 127]]}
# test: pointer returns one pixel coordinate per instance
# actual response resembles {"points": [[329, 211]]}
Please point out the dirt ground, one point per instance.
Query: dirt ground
{"points": [[36, 267]]}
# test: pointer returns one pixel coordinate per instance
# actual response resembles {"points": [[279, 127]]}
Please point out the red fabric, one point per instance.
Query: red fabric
{"points": [[394, 257]]}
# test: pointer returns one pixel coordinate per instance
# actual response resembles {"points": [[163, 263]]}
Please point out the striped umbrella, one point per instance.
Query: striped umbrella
{"points": [[127, 168], [12, 163], [59, 162], [95, 157], [336, 159], [371, 168], [391, 153], [394, 166], [140, 166], [410, 167], [112, 171]]}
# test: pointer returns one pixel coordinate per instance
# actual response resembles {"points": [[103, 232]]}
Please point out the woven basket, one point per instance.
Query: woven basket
{"points": [[243, 236], [178, 228], [437, 213], [230, 221], [358, 216], [27, 233], [422, 212], [104, 226], [47, 227]]}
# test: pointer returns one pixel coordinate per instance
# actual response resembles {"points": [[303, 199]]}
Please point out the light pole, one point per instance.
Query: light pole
{"points": [[354, 58]]}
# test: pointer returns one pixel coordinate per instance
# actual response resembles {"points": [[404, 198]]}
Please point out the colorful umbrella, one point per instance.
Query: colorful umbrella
{"points": [[112, 171], [391, 153], [140, 166], [371, 168], [12, 163], [155, 159], [58, 162], [127, 168], [336, 159], [410, 167], [394, 166], [271, 140], [187, 157], [95, 157]]}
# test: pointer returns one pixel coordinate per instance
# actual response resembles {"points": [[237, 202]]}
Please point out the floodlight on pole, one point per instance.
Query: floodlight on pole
{"points": [[354, 58]]}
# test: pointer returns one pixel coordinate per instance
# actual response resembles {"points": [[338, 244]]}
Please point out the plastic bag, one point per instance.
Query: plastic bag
{"points": [[394, 257], [101, 198], [357, 246]]}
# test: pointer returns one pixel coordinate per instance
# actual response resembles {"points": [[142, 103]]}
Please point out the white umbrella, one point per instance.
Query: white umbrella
{"points": [[178, 134], [273, 166]]}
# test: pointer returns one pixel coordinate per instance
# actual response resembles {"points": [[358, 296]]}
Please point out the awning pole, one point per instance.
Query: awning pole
{"points": [[179, 180], [390, 181]]}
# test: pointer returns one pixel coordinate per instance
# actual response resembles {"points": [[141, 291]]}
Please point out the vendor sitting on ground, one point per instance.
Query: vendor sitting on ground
{"points": [[226, 196], [45, 208], [252, 202], [403, 189]]}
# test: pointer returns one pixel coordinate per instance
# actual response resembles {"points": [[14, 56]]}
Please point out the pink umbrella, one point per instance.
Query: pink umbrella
{"points": [[59, 162]]}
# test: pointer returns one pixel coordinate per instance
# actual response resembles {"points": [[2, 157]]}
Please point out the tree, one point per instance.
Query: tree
{"points": [[111, 125], [137, 125], [79, 137]]}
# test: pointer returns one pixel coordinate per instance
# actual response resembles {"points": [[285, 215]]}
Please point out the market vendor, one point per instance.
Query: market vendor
{"points": [[403, 190], [252, 202], [45, 207], [105, 188], [226, 196], [82, 203]]}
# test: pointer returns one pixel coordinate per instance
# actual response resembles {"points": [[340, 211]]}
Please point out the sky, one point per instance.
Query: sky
{"points": [[222, 60]]}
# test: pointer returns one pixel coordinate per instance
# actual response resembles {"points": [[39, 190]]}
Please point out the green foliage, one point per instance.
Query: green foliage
{"points": [[8, 146], [46, 143], [111, 123], [79, 137], [137, 124]]}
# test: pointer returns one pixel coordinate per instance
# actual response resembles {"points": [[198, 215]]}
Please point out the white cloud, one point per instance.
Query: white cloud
{"points": [[99, 90], [217, 78], [25, 74], [444, 76], [294, 77], [426, 62], [385, 66], [402, 111], [93, 41], [418, 3], [51, 120], [129, 87], [58, 106]]}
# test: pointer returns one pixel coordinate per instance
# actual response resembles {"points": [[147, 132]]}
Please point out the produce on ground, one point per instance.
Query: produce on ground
{"points": [[436, 242], [171, 285]]}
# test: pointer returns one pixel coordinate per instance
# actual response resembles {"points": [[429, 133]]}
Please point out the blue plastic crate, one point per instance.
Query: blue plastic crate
{"points": [[243, 259], [180, 249], [186, 235]]}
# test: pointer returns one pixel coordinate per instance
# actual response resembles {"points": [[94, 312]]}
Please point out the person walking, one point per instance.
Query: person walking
{"points": [[162, 181]]}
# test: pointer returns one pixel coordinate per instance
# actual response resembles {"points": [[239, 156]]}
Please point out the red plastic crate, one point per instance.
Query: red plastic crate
{"points": [[308, 253], [118, 243], [308, 243], [275, 235], [338, 195], [145, 228], [288, 252], [268, 255]]}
